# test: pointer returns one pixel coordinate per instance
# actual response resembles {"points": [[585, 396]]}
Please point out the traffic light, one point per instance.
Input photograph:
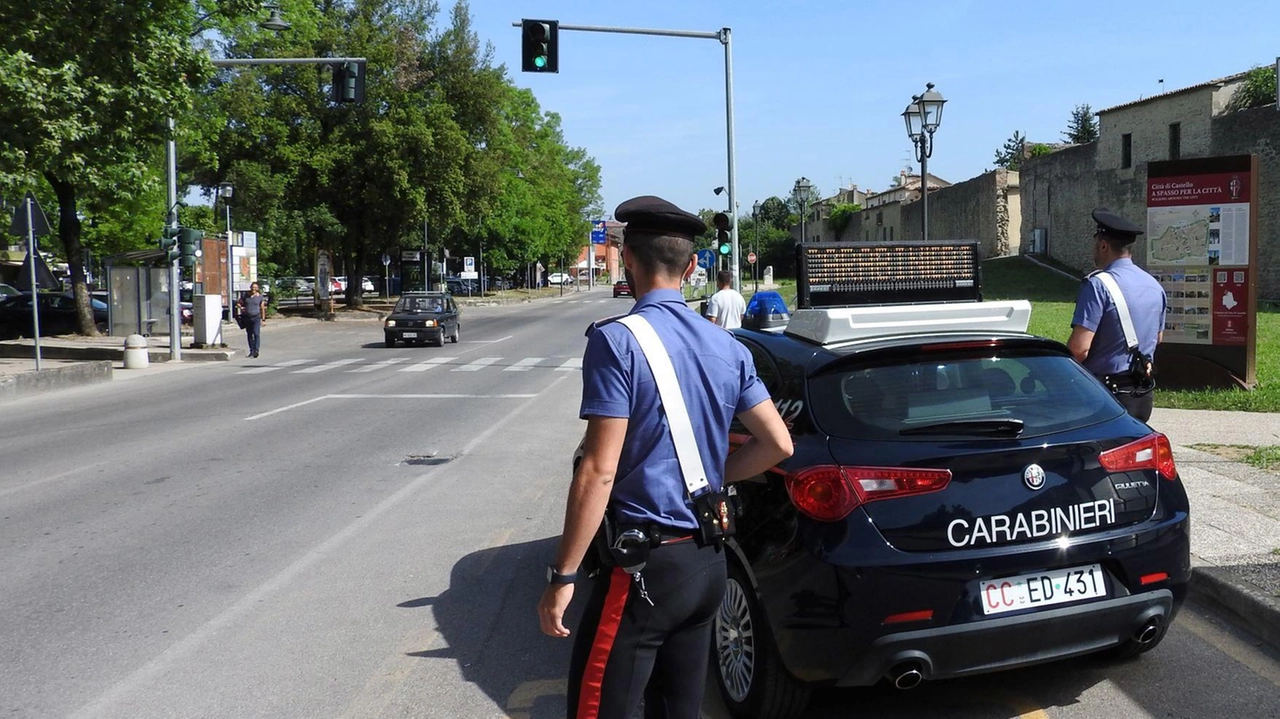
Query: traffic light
{"points": [[169, 242], [188, 244], [540, 46], [348, 82], [724, 243]]}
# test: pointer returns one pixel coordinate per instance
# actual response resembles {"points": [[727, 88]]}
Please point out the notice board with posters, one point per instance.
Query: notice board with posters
{"points": [[1202, 246]]}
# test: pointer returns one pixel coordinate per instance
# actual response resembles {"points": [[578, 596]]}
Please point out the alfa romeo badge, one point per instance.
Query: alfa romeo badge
{"points": [[1033, 476]]}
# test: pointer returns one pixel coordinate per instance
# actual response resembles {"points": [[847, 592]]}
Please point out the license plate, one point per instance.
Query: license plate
{"points": [[1043, 589], [409, 335]]}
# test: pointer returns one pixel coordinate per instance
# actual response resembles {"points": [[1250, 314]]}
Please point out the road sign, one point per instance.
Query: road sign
{"points": [[599, 235], [410, 255], [469, 264], [751, 257], [386, 259], [38, 224], [706, 259]]}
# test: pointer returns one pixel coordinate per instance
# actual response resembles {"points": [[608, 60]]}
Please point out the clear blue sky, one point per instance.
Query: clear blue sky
{"points": [[819, 87]]}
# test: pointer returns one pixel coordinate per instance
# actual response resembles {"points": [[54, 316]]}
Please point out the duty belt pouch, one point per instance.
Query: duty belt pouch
{"points": [[599, 556], [714, 510], [1139, 364]]}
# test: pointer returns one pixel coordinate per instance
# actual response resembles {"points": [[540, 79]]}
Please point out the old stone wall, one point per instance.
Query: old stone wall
{"points": [[976, 209], [1257, 132]]}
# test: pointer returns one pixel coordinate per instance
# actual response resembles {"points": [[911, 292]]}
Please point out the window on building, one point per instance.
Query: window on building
{"points": [[1126, 150], [1175, 140], [891, 234]]}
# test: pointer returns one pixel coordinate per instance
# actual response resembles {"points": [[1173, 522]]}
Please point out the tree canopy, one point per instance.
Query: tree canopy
{"points": [[1082, 127]]}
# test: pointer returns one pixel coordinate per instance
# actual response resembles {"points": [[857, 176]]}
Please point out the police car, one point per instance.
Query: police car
{"points": [[963, 497]]}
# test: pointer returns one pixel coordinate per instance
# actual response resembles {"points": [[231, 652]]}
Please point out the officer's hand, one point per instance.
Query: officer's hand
{"points": [[551, 609]]}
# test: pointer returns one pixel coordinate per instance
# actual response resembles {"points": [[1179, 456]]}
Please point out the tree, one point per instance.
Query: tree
{"points": [[76, 117], [840, 216], [774, 213], [1259, 89], [1082, 127], [1010, 156]]}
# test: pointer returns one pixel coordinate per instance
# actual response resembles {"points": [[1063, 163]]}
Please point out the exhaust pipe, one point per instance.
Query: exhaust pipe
{"points": [[906, 676], [1148, 632]]}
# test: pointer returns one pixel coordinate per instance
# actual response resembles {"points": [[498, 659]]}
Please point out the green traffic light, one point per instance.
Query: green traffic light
{"points": [[540, 61], [726, 249]]}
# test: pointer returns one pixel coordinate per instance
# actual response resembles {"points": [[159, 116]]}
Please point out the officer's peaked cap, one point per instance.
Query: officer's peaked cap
{"points": [[654, 214], [1114, 226]]}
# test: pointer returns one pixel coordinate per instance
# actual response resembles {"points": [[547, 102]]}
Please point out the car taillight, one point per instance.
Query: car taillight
{"points": [[828, 493], [1150, 452]]}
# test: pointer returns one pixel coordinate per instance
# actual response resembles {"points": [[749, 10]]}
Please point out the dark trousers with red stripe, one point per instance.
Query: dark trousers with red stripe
{"points": [[627, 650]]}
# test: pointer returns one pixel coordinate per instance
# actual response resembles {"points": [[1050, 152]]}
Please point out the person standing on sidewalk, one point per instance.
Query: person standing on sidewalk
{"points": [[726, 306], [1119, 355], [646, 629], [253, 308]]}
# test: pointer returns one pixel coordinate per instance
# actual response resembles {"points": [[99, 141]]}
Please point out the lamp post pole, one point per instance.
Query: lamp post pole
{"points": [[923, 116], [802, 191], [755, 220], [225, 191]]}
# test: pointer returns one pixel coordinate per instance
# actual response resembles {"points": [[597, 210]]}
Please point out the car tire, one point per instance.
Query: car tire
{"points": [[391, 342], [456, 330], [745, 661]]}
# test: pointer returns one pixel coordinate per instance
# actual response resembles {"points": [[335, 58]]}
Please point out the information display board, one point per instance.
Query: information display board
{"points": [[1202, 248], [835, 274]]}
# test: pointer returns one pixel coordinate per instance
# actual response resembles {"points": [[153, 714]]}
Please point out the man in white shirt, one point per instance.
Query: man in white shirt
{"points": [[726, 306]]}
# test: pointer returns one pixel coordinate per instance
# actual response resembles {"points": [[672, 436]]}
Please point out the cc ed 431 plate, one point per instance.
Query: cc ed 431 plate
{"points": [[1042, 589]]}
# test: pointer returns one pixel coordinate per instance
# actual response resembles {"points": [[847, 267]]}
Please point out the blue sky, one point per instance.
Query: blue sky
{"points": [[819, 86]]}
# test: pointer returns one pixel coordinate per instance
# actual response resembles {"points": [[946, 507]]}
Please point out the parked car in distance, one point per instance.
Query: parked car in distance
{"points": [[559, 278], [57, 315], [8, 290], [422, 316], [622, 288], [458, 286]]}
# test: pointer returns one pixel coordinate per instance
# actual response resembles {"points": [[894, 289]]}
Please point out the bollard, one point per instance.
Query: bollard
{"points": [[135, 352]]}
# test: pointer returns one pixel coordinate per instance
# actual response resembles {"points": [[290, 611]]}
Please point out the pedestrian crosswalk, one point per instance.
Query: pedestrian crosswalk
{"points": [[578, 302], [357, 365]]}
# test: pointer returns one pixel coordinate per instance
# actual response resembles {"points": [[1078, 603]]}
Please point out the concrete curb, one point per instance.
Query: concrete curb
{"points": [[91, 353], [26, 384], [1249, 605]]}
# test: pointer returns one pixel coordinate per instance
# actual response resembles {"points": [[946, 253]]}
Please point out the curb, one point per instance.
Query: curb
{"points": [[1248, 604], [26, 384], [109, 354]]}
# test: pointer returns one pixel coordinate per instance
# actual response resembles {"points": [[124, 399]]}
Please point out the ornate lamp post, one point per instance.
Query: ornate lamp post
{"points": [[923, 116], [755, 220], [803, 192]]}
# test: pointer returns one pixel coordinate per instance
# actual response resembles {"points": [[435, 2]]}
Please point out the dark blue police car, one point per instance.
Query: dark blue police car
{"points": [[963, 497]]}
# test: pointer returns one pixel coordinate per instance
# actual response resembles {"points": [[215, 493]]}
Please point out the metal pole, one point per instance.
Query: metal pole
{"points": [[175, 319], [755, 277], [32, 256], [726, 38], [924, 182], [426, 261]]}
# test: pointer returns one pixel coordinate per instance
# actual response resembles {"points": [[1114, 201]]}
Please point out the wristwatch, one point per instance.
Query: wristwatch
{"points": [[554, 577]]}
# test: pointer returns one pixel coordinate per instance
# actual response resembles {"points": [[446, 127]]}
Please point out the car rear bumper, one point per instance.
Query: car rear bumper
{"points": [[1011, 642]]}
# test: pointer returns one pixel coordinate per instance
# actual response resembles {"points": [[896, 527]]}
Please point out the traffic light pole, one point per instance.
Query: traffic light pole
{"points": [[171, 219], [725, 36]]}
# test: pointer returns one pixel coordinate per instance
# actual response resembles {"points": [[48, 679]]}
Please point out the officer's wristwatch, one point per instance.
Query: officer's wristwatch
{"points": [[554, 577]]}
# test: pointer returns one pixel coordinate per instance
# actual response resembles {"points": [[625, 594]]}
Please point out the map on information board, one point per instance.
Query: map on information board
{"points": [[1178, 235]]}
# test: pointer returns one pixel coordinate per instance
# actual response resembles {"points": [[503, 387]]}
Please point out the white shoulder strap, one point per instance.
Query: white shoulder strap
{"points": [[664, 374], [1122, 308]]}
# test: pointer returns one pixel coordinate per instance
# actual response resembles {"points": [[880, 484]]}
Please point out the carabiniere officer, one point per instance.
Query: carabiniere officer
{"points": [[1097, 338], [650, 638]]}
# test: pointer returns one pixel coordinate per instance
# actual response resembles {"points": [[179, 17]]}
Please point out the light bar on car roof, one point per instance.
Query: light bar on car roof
{"points": [[830, 325], [836, 274]]}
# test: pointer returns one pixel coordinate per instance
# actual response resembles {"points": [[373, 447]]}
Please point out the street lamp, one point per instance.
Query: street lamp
{"points": [[923, 116], [803, 191], [755, 220], [274, 21], [225, 191]]}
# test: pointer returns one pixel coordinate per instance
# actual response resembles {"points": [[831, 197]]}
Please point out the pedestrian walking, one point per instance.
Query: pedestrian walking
{"points": [[253, 307], [726, 306], [1119, 317], [649, 520]]}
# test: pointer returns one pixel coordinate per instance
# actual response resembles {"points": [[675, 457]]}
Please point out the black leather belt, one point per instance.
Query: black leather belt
{"points": [[660, 535]]}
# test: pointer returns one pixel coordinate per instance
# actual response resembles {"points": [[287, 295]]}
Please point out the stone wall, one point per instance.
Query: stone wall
{"points": [[976, 209], [1257, 132]]}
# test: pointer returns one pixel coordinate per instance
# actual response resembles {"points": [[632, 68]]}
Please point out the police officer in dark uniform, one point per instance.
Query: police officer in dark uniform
{"points": [[1097, 337], [648, 635]]}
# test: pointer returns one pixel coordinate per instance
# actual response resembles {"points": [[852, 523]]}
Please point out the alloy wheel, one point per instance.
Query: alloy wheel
{"points": [[735, 642]]}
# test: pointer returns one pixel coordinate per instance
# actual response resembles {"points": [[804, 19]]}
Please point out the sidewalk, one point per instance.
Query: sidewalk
{"points": [[1235, 514]]}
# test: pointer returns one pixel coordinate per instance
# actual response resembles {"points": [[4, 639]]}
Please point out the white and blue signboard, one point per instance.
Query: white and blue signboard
{"points": [[598, 233], [706, 259]]}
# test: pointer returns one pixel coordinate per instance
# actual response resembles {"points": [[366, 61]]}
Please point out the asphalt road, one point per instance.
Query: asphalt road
{"points": [[338, 529]]}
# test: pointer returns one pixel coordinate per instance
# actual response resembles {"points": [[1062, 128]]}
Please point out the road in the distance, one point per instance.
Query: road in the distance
{"points": [[339, 529]]}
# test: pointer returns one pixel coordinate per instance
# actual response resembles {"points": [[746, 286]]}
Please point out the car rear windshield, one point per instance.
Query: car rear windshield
{"points": [[420, 304], [906, 398]]}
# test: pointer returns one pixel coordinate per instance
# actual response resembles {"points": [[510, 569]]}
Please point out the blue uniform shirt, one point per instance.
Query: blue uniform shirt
{"points": [[718, 379], [1109, 353]]}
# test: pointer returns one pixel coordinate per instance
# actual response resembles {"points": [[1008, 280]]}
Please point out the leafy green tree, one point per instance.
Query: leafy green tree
{"points": [[840, 216], [1010, 156], [76, 117], [1082, 127], [1259, 89], [775, 213]]}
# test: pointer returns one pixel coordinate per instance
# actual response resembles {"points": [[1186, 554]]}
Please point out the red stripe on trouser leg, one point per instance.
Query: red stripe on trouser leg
{"points": [[610, 618]]}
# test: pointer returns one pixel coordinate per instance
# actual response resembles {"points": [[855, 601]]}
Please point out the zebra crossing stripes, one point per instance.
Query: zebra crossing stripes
{"points": [[524, 365], [573, 363], [276, 366], [380, 364], [477, 365], [424, 366], [327, 366]]}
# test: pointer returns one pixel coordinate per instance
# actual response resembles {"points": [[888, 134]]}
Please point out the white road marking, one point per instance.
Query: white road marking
{"points": [[183, 647], [429, 396], [285, 408], [570, 365], [326, 365], [557, 302], [424, 366], [276, 366], [380, 365], [488, 342], [524, 365], [477, 365]]}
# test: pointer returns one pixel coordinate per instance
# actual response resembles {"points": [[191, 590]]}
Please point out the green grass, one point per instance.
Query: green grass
{"points": [[1267, 458]]}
